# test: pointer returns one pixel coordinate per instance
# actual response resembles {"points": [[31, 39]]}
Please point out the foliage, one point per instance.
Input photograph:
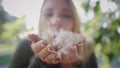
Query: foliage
{"points": [[12, 29], [105, 29], [4, 17]]}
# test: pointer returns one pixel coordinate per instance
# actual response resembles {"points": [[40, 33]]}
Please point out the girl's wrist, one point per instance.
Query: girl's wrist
{"points": [[74, 65]]}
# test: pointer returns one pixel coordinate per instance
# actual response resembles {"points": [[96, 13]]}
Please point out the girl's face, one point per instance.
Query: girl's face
{"points": [[56, 15]]}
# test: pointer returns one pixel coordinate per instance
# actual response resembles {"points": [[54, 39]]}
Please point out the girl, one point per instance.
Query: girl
{"points": [[55, 15]]}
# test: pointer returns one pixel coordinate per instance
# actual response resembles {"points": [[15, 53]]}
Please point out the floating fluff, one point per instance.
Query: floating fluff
{"points": [[49, 35], [62, 39]]}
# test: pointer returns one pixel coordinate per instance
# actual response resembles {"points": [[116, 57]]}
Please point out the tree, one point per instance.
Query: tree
{"points": [[104, 28], [11, 30]]}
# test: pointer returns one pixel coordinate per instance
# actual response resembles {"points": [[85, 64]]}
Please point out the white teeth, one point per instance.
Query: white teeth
{"points": [[63, 39]]}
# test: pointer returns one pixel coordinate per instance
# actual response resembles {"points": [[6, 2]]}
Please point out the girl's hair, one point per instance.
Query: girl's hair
{"points": [[76, 18]]}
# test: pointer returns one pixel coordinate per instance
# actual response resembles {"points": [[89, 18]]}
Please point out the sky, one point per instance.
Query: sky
{"points": [[20, 8]]}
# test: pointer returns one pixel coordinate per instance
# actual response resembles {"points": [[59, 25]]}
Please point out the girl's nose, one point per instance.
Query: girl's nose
{"points": [[55, 21]]}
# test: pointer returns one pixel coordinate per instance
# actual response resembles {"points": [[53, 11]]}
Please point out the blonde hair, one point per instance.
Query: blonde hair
{"points": [[76, 18]]}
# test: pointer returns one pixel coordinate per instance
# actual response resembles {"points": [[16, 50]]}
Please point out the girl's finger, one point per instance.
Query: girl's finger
{"points": [[37, 47], [74, 57], [48, 59], [33, 37], [80, 48], [46, 51], [51, 59], [55, 61], [65, 58]]}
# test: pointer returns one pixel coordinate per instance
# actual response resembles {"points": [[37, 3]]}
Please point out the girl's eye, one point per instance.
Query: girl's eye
{"points": [[49, 14], [66, 15]]}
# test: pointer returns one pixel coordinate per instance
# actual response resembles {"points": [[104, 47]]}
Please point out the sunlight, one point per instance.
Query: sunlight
{"points": [[28, 8], [107, 6]]}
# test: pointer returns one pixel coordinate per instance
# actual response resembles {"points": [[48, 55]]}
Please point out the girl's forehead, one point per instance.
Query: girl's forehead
{"points": [[56, 3]]}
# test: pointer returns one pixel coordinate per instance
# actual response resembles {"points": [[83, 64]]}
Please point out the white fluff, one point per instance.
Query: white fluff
{"points": [[63, 39]]}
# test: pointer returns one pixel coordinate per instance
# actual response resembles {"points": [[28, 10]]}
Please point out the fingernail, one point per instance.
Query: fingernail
{"points": [[51, 48], [63, 54], [55, 55], [83, 39], [42, 45], [79, 42], [56, 61], [67, 49], [45, 42], [73, 48]]}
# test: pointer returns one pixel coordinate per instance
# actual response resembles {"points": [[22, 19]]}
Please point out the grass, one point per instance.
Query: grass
{"points": [[6, 48], [5, 58], [6, 51]]}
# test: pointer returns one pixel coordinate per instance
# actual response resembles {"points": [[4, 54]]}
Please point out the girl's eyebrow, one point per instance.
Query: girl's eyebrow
{"points": [[63, 10], [49, 9]]}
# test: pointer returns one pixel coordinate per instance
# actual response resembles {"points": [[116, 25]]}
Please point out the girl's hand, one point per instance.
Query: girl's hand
{"points": [[44, 50], [74, 55]]}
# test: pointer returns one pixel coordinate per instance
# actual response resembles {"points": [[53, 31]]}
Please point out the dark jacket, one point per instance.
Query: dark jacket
{"points": [[25, 58]]}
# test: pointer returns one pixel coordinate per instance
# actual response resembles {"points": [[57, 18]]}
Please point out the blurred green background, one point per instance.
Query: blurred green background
{"points": [[101, 21]]}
